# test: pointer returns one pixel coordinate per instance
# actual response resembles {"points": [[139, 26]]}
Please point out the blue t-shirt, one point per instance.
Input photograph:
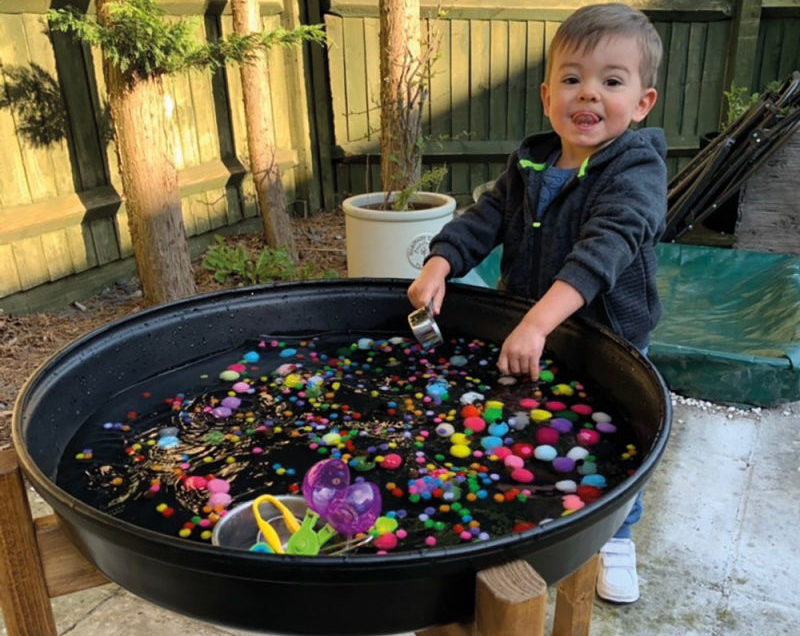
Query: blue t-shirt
{"points": [[553, 179]]}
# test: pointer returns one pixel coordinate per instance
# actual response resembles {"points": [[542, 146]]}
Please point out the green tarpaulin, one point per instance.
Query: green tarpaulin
{"points": [[730, 331]]}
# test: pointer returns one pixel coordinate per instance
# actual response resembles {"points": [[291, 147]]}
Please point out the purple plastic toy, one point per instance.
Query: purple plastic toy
{"points": [[325, 482], [349, 509], [357, 511]]}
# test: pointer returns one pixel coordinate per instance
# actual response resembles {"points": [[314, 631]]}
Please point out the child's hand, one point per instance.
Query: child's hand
{"points": [[521, 351], [523, 347], [429, 286]]}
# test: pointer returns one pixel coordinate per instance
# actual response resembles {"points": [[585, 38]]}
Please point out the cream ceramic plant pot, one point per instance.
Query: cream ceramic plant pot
{"points": [[389, 244]]}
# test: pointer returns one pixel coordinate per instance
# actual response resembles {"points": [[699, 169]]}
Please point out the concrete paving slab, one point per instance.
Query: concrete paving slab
{"points": [[72, 609], [717, 543], [768, 551], [743, 614], [684, 526], [133, 616]]}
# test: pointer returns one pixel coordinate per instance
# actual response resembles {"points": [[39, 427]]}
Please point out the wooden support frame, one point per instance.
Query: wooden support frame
{"points": [[511, 600], [38, 562]]}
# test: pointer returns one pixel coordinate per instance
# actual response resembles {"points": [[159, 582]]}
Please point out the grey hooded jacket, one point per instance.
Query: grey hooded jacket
{"points": [[598, 234]]}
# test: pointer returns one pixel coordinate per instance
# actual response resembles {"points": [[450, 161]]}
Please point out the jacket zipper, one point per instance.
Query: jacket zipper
{"points": [[536, 225]]}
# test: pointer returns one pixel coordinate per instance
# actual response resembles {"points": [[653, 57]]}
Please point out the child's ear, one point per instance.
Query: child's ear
{"points": [[543, 91], [645, 105]]}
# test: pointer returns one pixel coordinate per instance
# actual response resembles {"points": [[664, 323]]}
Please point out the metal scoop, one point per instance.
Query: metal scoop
{"points": [[424, 327]]}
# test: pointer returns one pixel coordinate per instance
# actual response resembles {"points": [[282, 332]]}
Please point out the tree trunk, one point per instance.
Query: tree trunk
{"points": [[402, 93], [261, 135], [150, 184]]}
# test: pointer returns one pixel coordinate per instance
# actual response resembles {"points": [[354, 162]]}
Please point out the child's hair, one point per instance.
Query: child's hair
{"points": [[588, 25]]}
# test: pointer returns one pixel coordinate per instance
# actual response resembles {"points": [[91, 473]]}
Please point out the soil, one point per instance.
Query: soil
{"points": [[28, 340]]}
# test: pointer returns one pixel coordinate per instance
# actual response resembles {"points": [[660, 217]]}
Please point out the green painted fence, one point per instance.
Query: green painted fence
{"points": [[484, 89], [63, 229]]}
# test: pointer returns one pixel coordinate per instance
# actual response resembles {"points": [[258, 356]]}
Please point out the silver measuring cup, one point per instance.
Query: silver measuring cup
{"points": [[423, 326]]}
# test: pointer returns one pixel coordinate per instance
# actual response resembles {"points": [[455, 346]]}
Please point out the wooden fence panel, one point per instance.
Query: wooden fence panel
{"points": [[9, 281], [59, 261], [81, 246], [123, 232], [13, 180], [102, 115], [479, 86], [29, 256], [517, 80], [535, 47], [36, 162], [41, 56], [86, 119], [499, 53], [217, 204], [459, 104], [778, 51], [440, 121], [60, 213], [711, 87]]}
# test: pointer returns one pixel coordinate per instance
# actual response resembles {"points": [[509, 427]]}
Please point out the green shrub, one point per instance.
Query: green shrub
{"points": [[739, 101], [141, 42], [246, 268]]}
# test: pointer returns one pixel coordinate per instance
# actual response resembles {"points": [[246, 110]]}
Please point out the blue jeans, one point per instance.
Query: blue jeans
{"points": [[635, 514]]}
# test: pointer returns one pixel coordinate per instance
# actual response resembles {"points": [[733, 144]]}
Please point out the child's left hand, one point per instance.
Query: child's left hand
{"points": [[521, 351], [523, 347]]}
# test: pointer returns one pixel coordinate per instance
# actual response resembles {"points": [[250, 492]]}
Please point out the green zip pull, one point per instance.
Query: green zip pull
{"points": [[584, 167], [527, 163]]}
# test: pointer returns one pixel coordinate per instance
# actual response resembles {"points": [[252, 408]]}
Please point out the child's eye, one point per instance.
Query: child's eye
{"points": [[613, 81], [570, 79]]}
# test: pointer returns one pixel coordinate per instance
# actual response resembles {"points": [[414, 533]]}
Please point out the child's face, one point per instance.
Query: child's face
{"points": [[592, 97]]}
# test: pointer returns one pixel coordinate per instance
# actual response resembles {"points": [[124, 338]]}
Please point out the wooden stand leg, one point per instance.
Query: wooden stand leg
{"points": [[575, 600], [23, 591], [510, 600]]}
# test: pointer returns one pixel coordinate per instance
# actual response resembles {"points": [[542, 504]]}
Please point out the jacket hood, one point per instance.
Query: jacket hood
{"points": [[538, 148]]}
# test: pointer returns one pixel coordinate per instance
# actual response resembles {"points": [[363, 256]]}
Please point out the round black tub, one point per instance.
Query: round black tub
{"points": [[356, 594]]}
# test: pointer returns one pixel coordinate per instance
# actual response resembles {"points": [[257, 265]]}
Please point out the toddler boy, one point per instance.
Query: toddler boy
{"points": [[578, 211]]}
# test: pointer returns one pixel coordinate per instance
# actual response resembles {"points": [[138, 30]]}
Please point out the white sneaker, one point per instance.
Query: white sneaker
{"points": [[617, 580]]}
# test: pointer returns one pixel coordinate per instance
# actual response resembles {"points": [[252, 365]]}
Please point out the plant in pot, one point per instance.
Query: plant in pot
{"points": [[388, 232]]}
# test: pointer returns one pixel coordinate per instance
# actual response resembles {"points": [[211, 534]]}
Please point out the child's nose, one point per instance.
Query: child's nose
{"points": [[589, 91]]}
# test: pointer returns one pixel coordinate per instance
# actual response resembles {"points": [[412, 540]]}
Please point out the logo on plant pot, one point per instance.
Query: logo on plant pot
{"points": [[418, 249]]}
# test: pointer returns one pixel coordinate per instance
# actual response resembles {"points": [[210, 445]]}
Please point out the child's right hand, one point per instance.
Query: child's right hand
{"points": [[429, 287]]}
